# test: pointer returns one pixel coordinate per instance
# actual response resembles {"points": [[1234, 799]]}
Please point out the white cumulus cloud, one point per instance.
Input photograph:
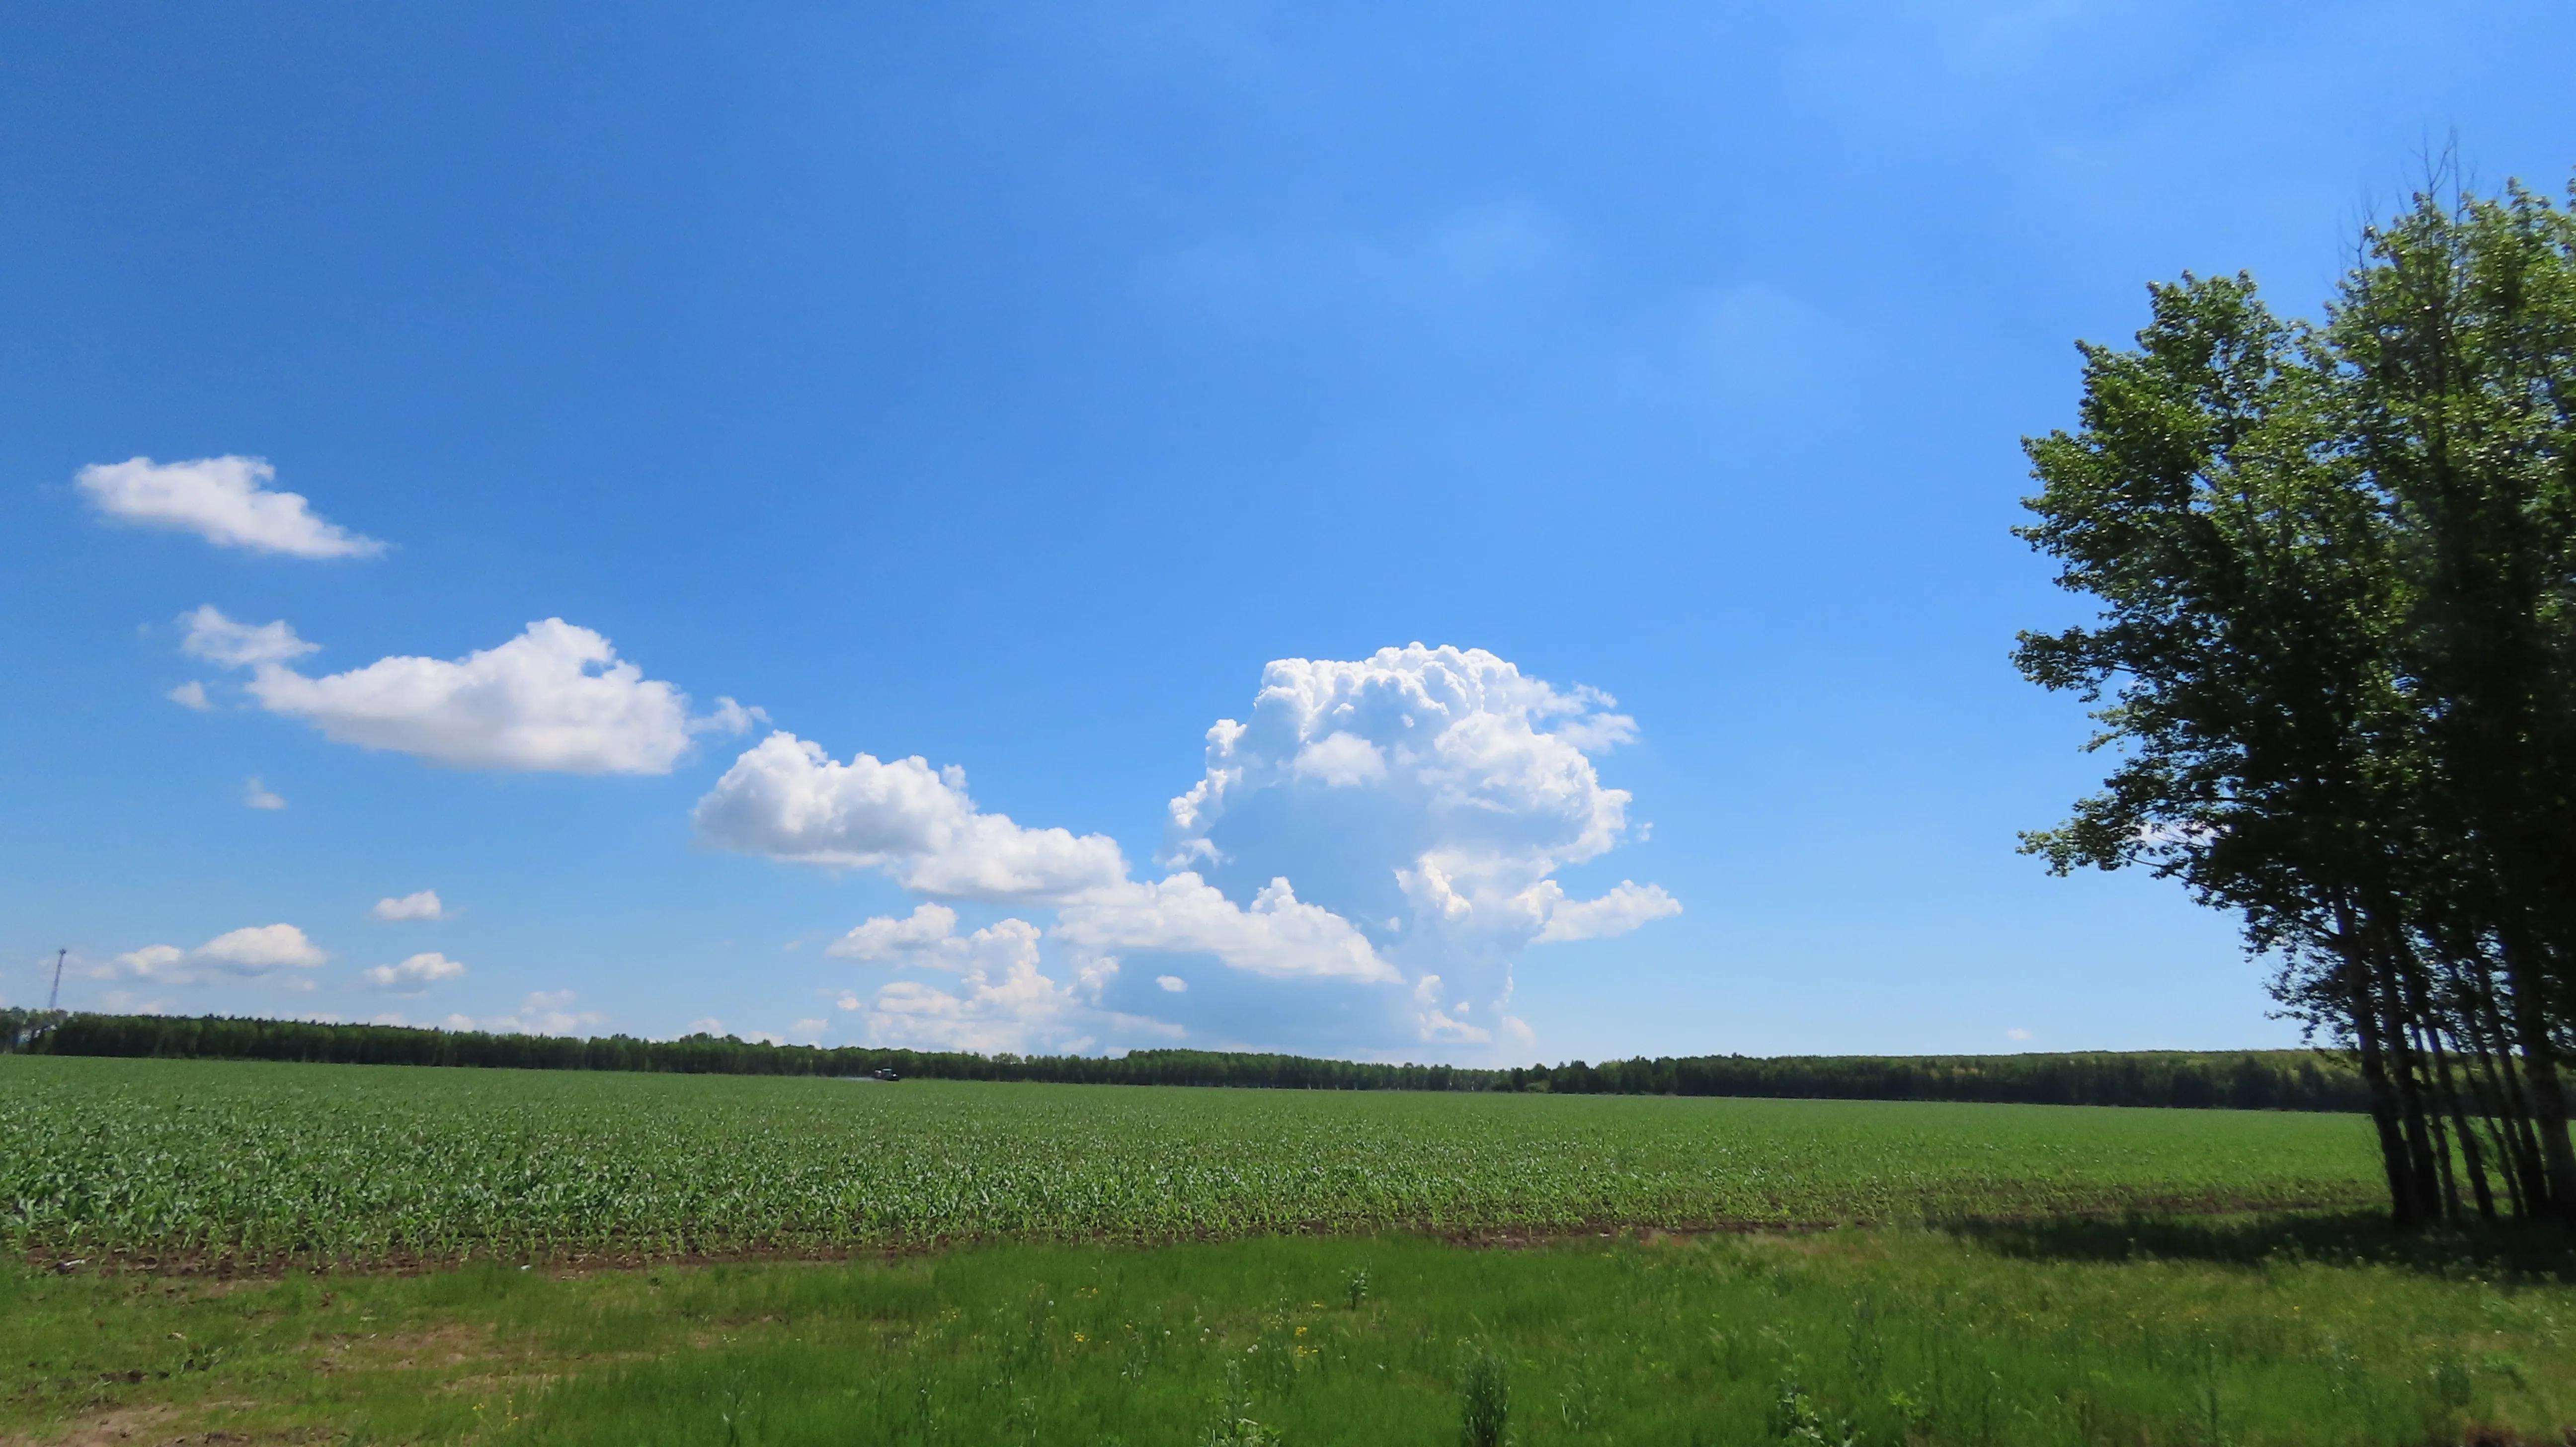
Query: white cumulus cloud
{"points": [[422, 904], [788, 799], [152, 962], [1278, 936], [257, 795], [928, 937], [1020, 1011], [415, 974], [1003, 1001], [1365, 857], [557, 697], [237, 954], [1627, 905], [190, 695], [262, 947], [1433, 793], [1341, 761], [929, 928], [224, 500]]}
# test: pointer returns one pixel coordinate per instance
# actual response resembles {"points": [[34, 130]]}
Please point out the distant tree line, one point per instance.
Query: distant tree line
{"points": [[2242, 1080], [2336, 662], [2195, 1080]]}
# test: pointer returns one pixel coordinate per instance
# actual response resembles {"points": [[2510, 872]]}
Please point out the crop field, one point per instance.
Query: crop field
{"points": [[1139, 1265], [191, 1160]]}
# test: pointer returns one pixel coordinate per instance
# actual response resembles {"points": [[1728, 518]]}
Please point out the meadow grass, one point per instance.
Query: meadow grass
{"points": [[2244, 1330], [191, 1160]]}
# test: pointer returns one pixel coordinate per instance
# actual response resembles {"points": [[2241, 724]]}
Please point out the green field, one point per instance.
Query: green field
{"points": [[353, 1164], [1124, 1266]]}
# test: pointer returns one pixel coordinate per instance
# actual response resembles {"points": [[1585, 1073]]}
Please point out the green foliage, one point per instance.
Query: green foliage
{"points": [[1796, 1419], [195, 1159]]}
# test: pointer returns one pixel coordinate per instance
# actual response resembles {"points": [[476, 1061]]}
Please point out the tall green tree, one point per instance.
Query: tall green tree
{"points": [[2336, 569], [2457, 334], [2243, 573]]}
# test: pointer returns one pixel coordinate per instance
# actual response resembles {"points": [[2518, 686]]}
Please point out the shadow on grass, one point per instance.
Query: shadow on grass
{"points": [[2355, 1238]]}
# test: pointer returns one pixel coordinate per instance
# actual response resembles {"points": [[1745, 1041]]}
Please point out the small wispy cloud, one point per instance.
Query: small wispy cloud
{"points": [[224, 500], [424, 904], [415, 974], [543, 1012]]}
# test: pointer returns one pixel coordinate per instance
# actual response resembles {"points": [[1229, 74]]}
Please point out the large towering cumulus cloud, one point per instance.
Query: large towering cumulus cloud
{"points": [[1430, 796], [1359, 866]]}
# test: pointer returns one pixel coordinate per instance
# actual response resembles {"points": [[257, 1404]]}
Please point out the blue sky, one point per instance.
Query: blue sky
{"points": [[1028, 389]]}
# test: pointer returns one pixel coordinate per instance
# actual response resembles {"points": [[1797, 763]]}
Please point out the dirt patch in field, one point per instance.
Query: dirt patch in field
{"points": [[438, 1347], [441, 1346], [155, 1426], [125, 1424]]}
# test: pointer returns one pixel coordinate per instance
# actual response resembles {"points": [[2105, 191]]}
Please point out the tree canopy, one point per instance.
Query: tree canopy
{"points": [[2335, 662]]}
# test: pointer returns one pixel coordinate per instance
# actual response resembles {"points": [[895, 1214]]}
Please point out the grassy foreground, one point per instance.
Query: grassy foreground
{"points": [[147, 1159], [2314, 1330]]}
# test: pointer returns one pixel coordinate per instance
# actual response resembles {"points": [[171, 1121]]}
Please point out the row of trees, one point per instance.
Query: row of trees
{"points": [[2336, 658], [2248, 1080], [2193, 1080]]}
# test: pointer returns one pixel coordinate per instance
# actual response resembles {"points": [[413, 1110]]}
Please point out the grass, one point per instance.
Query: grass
{"points": [[192, 1160], [2312, 1329]]}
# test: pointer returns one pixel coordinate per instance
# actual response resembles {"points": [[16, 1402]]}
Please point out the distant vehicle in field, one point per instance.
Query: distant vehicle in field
{"points": [[883, 1075]]}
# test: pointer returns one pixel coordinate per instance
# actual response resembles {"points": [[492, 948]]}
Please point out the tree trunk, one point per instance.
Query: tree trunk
{"points": [[2403, 1196], [2540, 1073], [2498, 1108], [2497, 1056], [2439, 1121], [2470, 1153], [2386, 948]]}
